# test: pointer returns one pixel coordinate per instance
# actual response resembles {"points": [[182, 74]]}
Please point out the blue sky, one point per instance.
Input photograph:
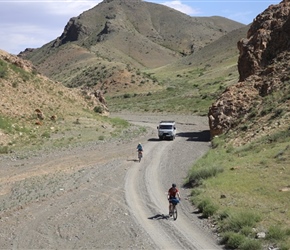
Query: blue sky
{"points": [[33, 23]]}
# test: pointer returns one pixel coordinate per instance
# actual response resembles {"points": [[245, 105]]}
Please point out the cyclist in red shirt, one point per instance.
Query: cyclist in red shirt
{"points": [[172, 196]]}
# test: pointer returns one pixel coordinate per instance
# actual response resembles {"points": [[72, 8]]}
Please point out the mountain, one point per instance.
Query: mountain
{"points": [[108, 45]]}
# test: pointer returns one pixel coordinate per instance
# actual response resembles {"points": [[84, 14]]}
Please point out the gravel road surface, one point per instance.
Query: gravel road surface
{"points": [[101, 197]]}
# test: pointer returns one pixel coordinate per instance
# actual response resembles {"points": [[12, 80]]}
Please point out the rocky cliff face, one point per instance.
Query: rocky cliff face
{"points": [[267, 37], [263, 68]]}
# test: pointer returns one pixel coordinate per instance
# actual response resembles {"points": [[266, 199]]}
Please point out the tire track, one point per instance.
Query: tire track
{"points": [[146, 197], [136, 196]]}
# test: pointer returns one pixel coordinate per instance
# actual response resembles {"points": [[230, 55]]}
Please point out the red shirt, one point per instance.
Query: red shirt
{"points": [[172, 191]]}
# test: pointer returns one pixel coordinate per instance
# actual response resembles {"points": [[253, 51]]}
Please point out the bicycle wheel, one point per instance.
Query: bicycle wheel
{"points": [[140, 156], [174, 213]]}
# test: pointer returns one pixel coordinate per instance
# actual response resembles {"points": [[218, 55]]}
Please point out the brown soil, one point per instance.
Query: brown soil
{"points": [[100, 196]]}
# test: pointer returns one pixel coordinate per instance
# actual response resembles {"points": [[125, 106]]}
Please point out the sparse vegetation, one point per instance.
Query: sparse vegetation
{"points": [[3, 69], [23, 130], [24, 75], [249, 188]]}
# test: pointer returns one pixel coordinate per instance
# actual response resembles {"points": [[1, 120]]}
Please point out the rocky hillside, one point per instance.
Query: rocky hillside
{"points": [[259, 103], [32, 104], [109, 44]]}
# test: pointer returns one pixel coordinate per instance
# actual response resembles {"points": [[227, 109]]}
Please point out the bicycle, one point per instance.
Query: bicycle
{"points": [[173, 211], [140, 155]]}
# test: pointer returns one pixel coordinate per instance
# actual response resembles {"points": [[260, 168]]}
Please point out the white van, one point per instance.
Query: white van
{"points": [[166, 129]]}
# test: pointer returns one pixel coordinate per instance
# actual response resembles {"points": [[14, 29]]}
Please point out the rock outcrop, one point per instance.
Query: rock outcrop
{"points": [[263, 65], [268, 36], [17, 61], [233, 104]]}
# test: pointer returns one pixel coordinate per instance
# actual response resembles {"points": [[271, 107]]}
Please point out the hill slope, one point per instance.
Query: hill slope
{"points": [[97, 46], [36, 111]]}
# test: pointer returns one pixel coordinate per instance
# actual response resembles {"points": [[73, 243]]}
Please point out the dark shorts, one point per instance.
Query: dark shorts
{"points": [[173, 200]]}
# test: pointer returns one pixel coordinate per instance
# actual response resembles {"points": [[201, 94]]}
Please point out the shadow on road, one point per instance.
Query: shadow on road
{"points": [[159, 217], [156, 139], [135, 160], [196, 136], [153, 139]]}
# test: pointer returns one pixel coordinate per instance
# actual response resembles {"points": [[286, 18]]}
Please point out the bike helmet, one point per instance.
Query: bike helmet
{"points": [[174, 185]]}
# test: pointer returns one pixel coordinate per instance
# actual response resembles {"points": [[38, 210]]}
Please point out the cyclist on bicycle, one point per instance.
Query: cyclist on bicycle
{"points": [[140, 151], [172, 196], [139, 147]]}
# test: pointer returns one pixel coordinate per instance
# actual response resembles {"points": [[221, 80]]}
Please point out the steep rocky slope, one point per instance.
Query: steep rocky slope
{"points": [[259, 103]]}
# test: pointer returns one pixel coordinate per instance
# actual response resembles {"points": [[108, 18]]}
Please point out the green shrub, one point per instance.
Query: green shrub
{"points": [[3, 73], [4, 150], [233, 240], [15, 84], [284, 246], [223, 215], [218, 141], [101, 137], [195, 192], [207, 208], [201, 173], [236, 222], [251, 244], [3, 69], [202, 204], [170, 88], [247, 231], [244, 128], [276, 233], [98, 109], [5, 124]]}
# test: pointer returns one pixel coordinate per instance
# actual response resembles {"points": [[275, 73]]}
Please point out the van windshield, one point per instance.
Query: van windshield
{"points": [[165, 126]]}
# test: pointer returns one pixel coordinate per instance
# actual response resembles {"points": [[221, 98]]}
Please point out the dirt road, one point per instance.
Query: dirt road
{"points": [[101, 197]]}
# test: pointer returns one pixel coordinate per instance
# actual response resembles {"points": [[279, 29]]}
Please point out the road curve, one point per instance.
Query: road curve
{"points": [[100, 197], [146, 186]]}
